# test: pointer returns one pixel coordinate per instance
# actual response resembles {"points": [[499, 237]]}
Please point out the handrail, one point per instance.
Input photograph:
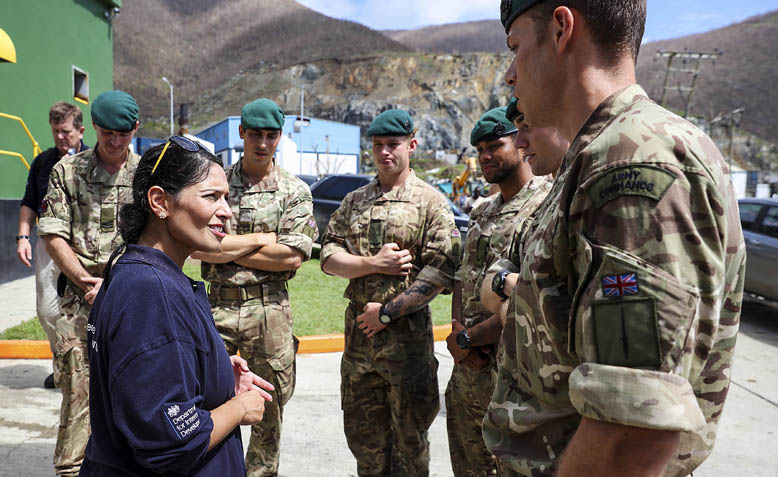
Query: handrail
{"points": [[16, 154], [36, 149]]}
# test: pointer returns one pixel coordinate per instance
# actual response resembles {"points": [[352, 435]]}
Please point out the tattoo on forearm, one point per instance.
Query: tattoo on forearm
{"points": [[412, 299], [395, 306], [421, 289]]}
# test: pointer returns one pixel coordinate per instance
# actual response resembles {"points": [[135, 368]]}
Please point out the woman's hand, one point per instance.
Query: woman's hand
{"points": [[253, 406], [245, 380]]}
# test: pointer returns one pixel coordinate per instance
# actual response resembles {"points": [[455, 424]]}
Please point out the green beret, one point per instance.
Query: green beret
{"points": [[511, 9], [115, 110], [394, 122], [512, 112], [492, 125], [262, 114]]}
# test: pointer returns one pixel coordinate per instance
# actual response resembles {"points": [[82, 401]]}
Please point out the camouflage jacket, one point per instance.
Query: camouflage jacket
{"points": [[279, 203], [82, 206], [415, 217], [628, 300], [492, 235]]}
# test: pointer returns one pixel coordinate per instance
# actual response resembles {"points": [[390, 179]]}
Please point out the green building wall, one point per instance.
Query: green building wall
{"points": [[50, 37]]}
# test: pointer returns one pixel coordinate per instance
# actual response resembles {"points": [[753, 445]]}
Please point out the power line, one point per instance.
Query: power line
{"points": [[691, 62]]}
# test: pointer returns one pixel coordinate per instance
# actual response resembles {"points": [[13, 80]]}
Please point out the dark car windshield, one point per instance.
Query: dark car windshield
{"points": [[336, 187]]}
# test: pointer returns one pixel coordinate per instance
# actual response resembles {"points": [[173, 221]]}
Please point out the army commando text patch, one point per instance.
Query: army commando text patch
{"points": [[646, 181]]}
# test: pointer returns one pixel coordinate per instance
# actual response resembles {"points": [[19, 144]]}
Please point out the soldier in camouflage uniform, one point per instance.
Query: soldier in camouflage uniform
{"points": [[79, 226], [272, 219], [396, 242], [492, 234], [627, 303]]}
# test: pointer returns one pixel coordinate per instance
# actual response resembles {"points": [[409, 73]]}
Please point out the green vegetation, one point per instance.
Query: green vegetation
{"points": [[317, 300], [27, 330]]}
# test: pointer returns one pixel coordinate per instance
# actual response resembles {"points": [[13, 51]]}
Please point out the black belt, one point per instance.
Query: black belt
{"points": [[246, 293]]}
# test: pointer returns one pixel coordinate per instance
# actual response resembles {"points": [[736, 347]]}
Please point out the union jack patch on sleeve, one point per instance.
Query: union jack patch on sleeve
{"points": [[620, 285]]}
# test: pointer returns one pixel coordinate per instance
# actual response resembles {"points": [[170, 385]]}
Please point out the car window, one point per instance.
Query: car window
{"points": [[336, 188], [748, 213], [770, 222]]}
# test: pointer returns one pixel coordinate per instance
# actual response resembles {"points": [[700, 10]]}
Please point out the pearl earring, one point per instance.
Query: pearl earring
{"points": [[162, 215]]}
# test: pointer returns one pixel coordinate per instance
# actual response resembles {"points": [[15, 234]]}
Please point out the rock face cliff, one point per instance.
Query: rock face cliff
{"points": [[446, 94]]}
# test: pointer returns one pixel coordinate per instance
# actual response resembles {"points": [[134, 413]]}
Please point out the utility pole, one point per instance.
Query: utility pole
{"points": [[730, 120], [171, 103], [302, 124], [693, 69]]}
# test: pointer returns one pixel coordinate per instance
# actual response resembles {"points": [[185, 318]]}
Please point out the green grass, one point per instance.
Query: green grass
{"points": [[317, 302], [27, 330]]}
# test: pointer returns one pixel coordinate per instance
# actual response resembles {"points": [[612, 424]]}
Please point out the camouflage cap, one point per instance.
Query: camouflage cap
{"points": [[512, 112], [262, 114], [492, 125], [511, 9], [394, 122], [115, 110]]}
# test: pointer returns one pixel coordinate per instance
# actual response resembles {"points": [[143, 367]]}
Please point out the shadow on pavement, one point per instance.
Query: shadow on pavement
{"points": [[760, 322], [24, 376]]}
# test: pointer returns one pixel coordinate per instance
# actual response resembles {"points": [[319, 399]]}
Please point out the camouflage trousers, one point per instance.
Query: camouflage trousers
{"points": [[467, 396], [72, 377], [389, 396], [261, 329]]}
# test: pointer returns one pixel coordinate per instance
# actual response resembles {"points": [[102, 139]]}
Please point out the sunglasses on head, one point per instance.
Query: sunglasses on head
{"points": [[183, 142]]}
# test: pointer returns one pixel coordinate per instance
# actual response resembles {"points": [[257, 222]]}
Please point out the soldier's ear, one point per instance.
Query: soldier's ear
{"points": [[158, 201]]}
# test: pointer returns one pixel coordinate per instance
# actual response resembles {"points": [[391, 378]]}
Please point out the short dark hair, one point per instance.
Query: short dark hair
{"points": [[178, 169], [61, 111], [617, 26]]}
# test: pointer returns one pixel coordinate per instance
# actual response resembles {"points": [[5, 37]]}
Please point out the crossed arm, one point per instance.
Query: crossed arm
{"points": [[390, 260], [258, 251]]}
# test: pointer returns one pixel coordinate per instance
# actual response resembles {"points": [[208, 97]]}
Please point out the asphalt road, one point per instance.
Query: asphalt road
{"points": [[313, 443]]}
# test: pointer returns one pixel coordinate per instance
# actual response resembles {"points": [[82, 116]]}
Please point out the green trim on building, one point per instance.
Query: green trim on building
{"points": [[62, 48]]}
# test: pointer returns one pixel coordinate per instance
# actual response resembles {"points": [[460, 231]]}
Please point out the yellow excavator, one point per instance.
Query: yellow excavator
{"points": [[460, 184]]}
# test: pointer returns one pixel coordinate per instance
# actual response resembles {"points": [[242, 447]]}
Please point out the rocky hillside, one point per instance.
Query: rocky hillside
{"points": [[480, 36], [742, 76], [201, 44], [445, 93], [223, 53]]}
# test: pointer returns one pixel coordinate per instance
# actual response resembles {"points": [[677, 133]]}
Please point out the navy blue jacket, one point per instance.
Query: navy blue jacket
{"points": [[38, 178], [157, 367]]}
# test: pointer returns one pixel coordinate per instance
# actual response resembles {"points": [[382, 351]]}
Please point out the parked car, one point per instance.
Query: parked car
{"points": [[307, 178], [759, 218], [330, 190]]}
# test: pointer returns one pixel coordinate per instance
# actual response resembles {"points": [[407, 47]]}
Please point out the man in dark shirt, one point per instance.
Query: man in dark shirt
{"points": [[65, 120]]}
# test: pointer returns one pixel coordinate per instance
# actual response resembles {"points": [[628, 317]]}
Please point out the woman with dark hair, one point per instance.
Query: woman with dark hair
{"points": [[165, 397]]}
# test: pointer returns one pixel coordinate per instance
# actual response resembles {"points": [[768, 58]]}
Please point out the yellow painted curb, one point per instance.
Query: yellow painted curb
{"points": [[24, 349], [28, 349]]}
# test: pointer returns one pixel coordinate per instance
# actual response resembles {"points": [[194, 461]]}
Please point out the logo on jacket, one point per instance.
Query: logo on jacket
{"points": [[173, 411]]}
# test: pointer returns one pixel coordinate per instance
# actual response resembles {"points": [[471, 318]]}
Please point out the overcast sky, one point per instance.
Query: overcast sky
{"points": [[666, 18]]}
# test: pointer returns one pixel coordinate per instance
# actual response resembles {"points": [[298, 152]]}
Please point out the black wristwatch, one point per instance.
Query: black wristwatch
{"points": [[19, 237], [383, 316], [463, 339], [498, 284]]}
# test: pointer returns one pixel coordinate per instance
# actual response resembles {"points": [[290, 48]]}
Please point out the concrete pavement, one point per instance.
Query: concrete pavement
{"points": [[313, 443]]}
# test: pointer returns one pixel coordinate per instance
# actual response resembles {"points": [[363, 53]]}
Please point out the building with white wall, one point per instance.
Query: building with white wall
{"points": [[328, 147]]}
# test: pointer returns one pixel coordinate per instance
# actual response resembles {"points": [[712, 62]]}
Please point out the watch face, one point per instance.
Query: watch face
{"points": [[462, 340], [385, 319], [498, 283]]}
